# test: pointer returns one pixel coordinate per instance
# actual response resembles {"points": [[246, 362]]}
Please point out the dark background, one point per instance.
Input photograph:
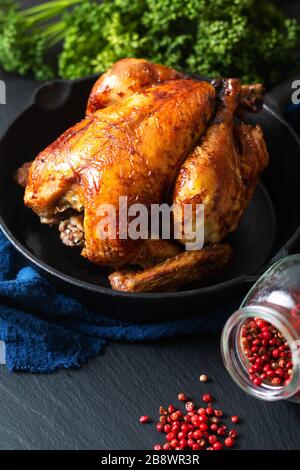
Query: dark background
{"points": [[98, 406]]}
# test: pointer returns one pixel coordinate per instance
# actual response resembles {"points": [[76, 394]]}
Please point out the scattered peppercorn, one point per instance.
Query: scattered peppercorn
{"points": [[217, 445], [233, 433], [207, 398], [212, 439], [196, 428], [203, 378], [229, 442], [158, 447], [215, 420], [144, 419], [189, 406], [182, 397], [160, 427], [167, 428], [163, 419], [235, 419], [221, 431], [171, 409], [162, 411]]}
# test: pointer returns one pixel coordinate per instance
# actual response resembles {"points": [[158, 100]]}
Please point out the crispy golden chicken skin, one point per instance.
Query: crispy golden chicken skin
{"points": [[127, 76], [223, 170], [133, 149]]}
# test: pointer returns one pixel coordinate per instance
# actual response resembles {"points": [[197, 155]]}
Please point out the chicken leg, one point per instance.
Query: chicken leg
{"points": [[218, 174]]}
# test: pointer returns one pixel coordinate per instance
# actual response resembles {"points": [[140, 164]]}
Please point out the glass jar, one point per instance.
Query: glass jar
{"points": [[275, 301]]}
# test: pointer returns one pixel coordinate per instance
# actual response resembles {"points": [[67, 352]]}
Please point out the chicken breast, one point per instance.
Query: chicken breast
{"points": [[132, 149]]}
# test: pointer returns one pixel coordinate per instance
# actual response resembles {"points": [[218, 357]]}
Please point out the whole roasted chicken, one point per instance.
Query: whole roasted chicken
{"points": [[153, 135]]}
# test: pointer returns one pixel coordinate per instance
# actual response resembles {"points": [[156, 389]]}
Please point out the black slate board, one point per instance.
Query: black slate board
{"points": [[98, 406]]}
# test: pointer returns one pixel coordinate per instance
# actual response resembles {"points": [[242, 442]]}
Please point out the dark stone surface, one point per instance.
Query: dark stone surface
{"points": [[98, 406]]}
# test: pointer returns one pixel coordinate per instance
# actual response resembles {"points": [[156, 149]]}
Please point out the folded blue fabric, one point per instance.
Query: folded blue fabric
{"points": [[44, 330]]}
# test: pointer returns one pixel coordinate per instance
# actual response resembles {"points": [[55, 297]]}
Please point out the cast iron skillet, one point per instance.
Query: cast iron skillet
{"points": [[268, 230]]}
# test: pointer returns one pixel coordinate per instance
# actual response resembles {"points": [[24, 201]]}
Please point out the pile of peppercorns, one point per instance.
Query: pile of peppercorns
{"points": [[268, 355], [196, 428]]}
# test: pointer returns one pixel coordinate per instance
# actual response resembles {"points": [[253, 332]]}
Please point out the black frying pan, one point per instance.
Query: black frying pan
{"points": [[269, 228]]}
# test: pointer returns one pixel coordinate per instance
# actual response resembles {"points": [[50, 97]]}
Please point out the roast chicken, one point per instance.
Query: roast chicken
{"points": [[153, 135]]}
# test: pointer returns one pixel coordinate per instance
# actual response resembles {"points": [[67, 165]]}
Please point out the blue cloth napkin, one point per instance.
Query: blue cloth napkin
{"points": [[44, 330]]}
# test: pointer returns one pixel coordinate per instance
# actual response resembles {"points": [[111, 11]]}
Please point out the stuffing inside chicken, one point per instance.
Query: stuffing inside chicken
{"points": [[155, 136], [72, 231]]}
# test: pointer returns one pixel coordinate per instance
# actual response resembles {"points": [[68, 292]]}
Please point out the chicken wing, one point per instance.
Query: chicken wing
{"points": [[184, 268]]}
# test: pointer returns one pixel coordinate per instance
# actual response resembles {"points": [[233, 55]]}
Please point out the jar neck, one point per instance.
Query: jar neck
{"points": [[234, 359]]}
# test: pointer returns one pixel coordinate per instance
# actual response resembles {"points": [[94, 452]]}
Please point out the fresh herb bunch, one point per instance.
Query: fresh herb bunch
{"points": [[99, 34], [245, 38], [249, 39], [27, 35]]}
